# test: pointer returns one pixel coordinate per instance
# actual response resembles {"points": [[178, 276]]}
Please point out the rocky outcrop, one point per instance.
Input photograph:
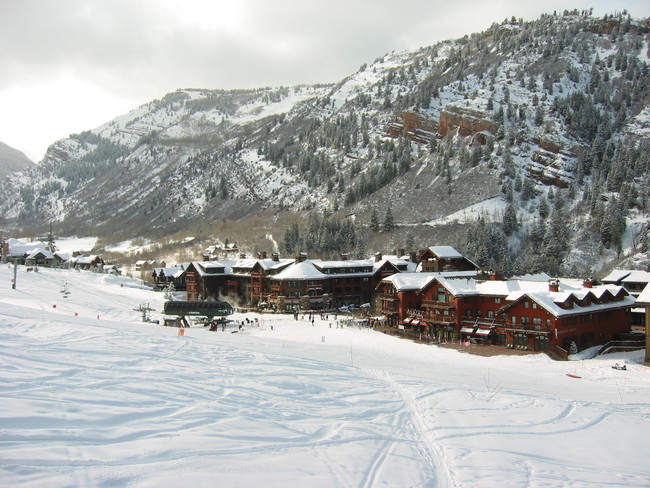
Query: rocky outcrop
{"points": [[466, 121], [413, 127]]}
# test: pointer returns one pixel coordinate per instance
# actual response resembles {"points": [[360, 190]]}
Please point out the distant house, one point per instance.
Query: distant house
{"points": [[39, 257], [89, 263], [175, 275], [437, 259], [218, 252], [17, 251]]}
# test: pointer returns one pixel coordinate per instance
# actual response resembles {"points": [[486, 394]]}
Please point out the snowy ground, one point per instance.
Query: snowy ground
{"points": [[93, 397]]}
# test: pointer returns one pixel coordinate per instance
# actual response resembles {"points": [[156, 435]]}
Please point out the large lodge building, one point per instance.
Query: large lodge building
{"points": [[436, 294]]}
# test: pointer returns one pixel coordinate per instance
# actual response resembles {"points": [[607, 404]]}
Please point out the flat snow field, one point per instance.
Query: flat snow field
{"points": [[93, 397]]}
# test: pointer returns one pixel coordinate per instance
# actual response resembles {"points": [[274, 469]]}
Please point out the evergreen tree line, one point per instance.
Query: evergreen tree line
{"points": [[321, 236]]}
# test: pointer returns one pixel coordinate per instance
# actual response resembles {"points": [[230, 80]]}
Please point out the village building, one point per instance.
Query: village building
{"points": [[523, 314], [170, 275], [40, 257], [438, 259], [206, 280], [221, 252], [248, 282], [92, 262], [301, 286]]}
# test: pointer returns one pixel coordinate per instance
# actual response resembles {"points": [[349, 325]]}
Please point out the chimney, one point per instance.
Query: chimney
{"points": [[262, 255], [588, 282], [344, 256], [554, 285], [494, 275], [378, 257], [275, 257], [414, 257], [400, 253], [301, 257]]}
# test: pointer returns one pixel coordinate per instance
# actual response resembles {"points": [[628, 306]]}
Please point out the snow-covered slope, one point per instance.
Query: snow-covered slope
{"points": [[91, 396]]}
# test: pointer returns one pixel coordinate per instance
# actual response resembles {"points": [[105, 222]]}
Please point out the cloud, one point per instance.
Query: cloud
{"points": [[122, 52]]}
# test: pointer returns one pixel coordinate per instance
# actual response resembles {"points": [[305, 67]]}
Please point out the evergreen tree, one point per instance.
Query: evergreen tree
{"points": [[388, 224], [510, 224], [374, 221]]}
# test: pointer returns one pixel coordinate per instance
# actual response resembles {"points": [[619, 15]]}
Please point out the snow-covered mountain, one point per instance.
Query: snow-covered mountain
{"points": [[12, 160], [529, 141]]}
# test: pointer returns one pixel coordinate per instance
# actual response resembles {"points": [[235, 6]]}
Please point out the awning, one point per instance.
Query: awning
{"points": [[415, 322], [467, 330], [483, 332], [407, 321]]}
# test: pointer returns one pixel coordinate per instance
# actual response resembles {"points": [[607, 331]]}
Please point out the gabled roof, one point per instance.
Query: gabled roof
{"points": [[20, 248], [36, 252], [420, 281], [304, 270], [210, 268], [644, 297], [266, 264], [627, 276], [397, 262], [445, 252], [551, 300]]}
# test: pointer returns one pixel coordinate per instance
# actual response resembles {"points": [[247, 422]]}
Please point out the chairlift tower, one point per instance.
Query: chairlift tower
{"points": [[144, 309]]}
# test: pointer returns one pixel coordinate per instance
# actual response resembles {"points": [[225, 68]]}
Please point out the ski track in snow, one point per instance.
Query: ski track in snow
{"points": [[114, 402]]}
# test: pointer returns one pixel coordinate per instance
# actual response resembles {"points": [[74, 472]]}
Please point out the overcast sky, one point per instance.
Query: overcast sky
{"points": [[71, 65]]}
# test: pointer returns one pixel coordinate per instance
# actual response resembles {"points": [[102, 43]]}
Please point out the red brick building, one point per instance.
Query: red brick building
{"points": [[524, 314]]}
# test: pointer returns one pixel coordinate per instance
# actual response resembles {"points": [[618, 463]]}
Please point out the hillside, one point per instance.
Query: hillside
{"points": [[92, 396], [12, 160], [526, 146]]}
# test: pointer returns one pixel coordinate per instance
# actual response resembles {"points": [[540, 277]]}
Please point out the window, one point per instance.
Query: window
{"points": [[490, 314], [497, 300], [537, 321]]}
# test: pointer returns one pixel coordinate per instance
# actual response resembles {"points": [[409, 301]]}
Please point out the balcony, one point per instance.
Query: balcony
{"points": [[436, 304], [528, 328]]}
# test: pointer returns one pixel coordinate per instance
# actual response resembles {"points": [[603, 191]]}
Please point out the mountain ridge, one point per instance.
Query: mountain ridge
{"points": [[12, 160], [514, 116]]}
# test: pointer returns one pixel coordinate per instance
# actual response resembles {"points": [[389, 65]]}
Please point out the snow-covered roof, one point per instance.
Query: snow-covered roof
{"points": [[417, 281], [266, 264], [36, 252], [170, 271], [304, 270], [644, 297], [20, 248], [637, 277], [397, 261], [86, 259], [627, 276], [210, 268], [445, 252]]}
